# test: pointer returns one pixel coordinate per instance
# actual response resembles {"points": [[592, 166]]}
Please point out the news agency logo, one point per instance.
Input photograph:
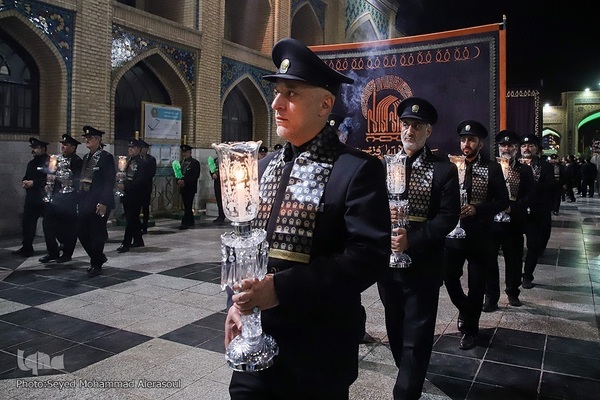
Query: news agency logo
{"points": [[38, 360]]}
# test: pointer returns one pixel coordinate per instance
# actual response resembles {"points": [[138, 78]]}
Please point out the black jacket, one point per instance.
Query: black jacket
{"points": [[426, 239], [319, 316], [101, 189], [190, 168], [36, 172]]}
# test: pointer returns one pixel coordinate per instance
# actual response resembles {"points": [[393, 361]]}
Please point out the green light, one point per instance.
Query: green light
{"points": [[588, 119]]}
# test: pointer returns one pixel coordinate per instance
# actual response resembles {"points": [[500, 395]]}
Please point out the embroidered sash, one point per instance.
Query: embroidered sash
{"points": [[420, 182], [132, 166], [90, 165], [295, 224], [513, 180], [537, 169], [479, 182]]}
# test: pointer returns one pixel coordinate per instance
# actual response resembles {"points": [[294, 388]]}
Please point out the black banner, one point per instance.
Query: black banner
{"points": [[460, 72]]}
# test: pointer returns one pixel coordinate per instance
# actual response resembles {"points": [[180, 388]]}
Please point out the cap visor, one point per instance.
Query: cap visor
{"points": [[274, 77]]}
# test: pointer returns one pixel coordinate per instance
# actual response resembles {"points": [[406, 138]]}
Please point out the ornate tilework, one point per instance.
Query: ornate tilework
{"points": [[356, 8], [232, 70], [55, 22], [127, 45], [318, 7]]}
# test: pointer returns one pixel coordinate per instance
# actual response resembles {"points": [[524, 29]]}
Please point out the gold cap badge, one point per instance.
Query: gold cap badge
{"points": [[415, 108], [284, 66]]}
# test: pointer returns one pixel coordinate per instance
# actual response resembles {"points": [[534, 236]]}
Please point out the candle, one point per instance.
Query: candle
{"points": [[122, 163], [396, 173], [52, 164], [239, 177], [459, 161]]}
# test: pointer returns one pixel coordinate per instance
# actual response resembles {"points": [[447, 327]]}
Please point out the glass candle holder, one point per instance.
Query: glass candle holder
{"points": [[244, 251]]}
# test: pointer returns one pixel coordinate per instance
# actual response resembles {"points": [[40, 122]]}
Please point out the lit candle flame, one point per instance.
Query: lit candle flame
{"points": [[52, 164], [122, 163]]}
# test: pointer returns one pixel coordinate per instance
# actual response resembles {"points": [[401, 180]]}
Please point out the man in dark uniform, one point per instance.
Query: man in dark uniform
{"points": [[487, 196], [34, 183], [151, 161], [96, 198], [213, 168], [262, 152], [310, 299], [135, 188], [410, 295], [572, 172], [509, 235], [560, 176], [589, 173], [188, 185], [60, 220], [539, 220]]}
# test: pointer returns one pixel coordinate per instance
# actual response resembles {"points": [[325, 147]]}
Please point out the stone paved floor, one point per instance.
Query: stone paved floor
{"points": [[157, 313]]}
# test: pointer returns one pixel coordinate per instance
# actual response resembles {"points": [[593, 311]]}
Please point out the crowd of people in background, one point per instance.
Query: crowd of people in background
{"points": [[578, 176]]}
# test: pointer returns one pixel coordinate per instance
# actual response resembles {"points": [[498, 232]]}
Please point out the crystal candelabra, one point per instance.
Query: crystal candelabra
{"points": [[504, 162], [65, 175], [121, 175], [244, 251], [458, 232], [396, 185], [50, 178]]}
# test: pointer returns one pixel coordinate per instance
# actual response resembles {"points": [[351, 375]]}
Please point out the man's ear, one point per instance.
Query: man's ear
{"points": [[327, 104]]}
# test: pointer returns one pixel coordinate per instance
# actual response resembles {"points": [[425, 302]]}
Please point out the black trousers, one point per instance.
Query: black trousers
{"points": [[92, 233], [559, 196], [587, 187], [569, 190], [264, 385], [510, 239], [188, 214], [31, 213], [60, 227], [411, 304], [539, 227], [133, 229], [477, 254], [219, 198], [146, 211]]}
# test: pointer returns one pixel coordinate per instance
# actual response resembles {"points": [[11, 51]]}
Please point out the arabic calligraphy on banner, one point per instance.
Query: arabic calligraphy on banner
{"points": [[459, 72]]}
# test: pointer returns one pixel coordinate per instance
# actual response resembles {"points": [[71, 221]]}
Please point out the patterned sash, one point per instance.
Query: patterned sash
{"points": [[479, 182], [536, 168], [294, 228], [132, 166], [513, 180], [90, 163], [420, 182]]}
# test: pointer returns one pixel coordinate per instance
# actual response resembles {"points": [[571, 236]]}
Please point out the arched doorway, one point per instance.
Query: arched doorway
{"points": [[19, 88], [588, 131], [306, 27], [137, 85], [236, 118]]}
